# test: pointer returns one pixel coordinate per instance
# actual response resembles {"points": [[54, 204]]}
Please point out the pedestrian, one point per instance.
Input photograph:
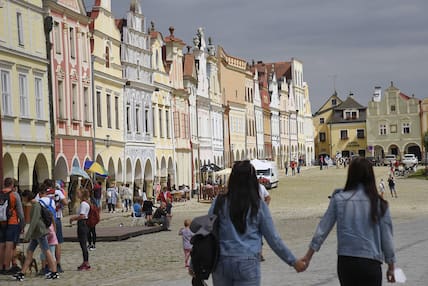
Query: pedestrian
{"points": [[391, 185], [298, 165], [11, 223], [97, 192], [82, 228], [286, 167], [293, 168], [37, 234], [321, 162], [148, 208], [381, 188], [127, 197], [161, 216], [364, 229], [243, 219], [186, 234], [112, 196]]}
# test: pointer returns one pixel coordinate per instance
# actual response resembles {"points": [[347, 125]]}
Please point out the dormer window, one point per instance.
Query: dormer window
{"points": [[350, 114], [334, 102]]}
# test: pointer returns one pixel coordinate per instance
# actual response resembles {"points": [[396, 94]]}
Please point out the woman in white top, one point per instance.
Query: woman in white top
{"points": [[82, 227]]}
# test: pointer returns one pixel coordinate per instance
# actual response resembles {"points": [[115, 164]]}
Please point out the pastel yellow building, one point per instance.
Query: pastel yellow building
{"points": [[108, 91], [162, 117], [24, 93]]}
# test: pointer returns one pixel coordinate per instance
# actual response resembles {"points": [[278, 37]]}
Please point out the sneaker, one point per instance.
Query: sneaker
{"points": [[59, 268], [18, 276], [52, 275], [15, 268], [84, 267]]}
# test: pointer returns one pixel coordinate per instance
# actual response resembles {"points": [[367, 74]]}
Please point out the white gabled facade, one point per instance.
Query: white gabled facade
{"points": [[216, 106], [258, 115], [203, 102], [138, 91], [274, 109]]}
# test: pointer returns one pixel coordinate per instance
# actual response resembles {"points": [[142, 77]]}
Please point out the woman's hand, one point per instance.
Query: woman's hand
{"points": [[390, 276], [300, 265]]}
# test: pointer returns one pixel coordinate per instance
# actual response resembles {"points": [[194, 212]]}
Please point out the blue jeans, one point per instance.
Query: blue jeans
{"points": [[237, 271]]}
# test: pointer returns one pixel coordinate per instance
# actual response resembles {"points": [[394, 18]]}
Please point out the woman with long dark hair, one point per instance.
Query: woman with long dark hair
{"points": [[364, 229], [243, 218]]}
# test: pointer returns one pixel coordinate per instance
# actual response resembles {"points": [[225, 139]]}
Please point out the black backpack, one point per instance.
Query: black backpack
{"points": [[46, 215], [206, 245]]}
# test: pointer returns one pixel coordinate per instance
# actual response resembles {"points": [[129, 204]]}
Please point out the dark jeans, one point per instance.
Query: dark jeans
{"points": [[92, 235], [357, 271], [111, 206], [82, 235]]}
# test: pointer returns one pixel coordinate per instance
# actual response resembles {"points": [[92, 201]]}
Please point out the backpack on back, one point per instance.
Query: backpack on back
{"points": [[93, 216], [206, 244], [46, 214], [5, 206]]}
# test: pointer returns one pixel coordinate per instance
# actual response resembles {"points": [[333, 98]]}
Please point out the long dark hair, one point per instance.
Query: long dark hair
{"points": [[243, 194], [361, 173]]}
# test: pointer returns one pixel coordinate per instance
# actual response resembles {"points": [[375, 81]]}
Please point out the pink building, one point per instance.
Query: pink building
{"points": [[71, 85]]}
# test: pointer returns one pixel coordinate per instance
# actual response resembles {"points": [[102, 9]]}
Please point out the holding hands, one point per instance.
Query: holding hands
{"points": [[303, 263]]}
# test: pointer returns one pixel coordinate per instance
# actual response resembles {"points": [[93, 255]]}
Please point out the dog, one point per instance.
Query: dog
{"points": [[20, 256]]}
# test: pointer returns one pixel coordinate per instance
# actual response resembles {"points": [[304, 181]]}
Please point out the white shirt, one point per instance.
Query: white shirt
{"points": [[263, 192], [56, 198], [46, 200], [84, 209]]}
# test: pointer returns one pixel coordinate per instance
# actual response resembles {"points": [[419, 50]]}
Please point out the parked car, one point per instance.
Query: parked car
{"points": [[375, 161], [389, 158], [409, 159]]}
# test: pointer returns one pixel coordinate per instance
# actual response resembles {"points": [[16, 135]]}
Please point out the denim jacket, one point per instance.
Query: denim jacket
{"points": [[357, 235], [233, 243]]}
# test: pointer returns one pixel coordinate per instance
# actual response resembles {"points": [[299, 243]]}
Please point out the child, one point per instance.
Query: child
{"points": [[53, 242], [37, 232], [148, 209], [381, 188], [187, 234], [137, 210]]}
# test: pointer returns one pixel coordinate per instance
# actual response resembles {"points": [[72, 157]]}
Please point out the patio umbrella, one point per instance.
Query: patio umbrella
{"points": [[96, 168], [77, 171]]}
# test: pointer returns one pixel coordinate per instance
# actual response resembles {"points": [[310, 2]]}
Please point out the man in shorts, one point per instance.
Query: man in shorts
{"points": [[11, 227]]}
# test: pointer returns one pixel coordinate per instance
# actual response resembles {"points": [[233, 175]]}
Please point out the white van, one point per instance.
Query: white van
{"points": [[268, 170]]}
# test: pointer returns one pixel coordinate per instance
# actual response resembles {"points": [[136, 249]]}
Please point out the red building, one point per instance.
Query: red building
{"points": [[71, 85]]}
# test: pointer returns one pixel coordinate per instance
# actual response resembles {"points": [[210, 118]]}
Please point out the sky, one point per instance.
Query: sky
{"points": [[345, 45]]}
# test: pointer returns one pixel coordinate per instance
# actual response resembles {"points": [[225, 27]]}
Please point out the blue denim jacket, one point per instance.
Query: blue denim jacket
{"points": [[357, 235], [233, 243]]}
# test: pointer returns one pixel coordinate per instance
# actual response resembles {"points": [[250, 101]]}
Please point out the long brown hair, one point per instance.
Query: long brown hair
{"points": [[360, 172]]}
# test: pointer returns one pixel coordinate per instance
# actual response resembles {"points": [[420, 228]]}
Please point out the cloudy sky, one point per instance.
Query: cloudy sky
{"points": [[352, 45]]}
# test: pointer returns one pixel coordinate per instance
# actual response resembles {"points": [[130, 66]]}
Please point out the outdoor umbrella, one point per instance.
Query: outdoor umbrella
{"points": [[77, 171], [96, 168]]}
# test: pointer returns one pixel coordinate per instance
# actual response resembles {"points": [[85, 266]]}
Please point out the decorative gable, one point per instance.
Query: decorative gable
{"points": [[75, 5]]}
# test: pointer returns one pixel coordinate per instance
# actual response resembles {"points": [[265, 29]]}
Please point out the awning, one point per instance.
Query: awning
{"points": [[77, 171]]}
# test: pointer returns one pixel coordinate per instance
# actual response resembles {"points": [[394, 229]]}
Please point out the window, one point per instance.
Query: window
{"points": [[75, 102], [350, 114], [168, 135], [137, 119], [322, 137], [20, 29], [146, 121], [406, 128], [108, 110], [382, 129], [333, 102], [23, 94], [116, 111], [107, 57], [99, 122], [5, 93], [72, 44], [84, 48], [360, 133], [61, 100], [343, 134], [57, 35], [322, 120], [392, 108], [128, 115], [86, 106], [160, 123], [153, 121], [38, 91]]}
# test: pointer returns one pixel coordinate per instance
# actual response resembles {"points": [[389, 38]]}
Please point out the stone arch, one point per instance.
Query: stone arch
{"points": [[40, 170], [119, 170], [8, 169], [128, 171], [99, 160], [378, 152], [23, 172], [61, 169], [163, 170], [111, 170], [393, 149], [413, 148]]}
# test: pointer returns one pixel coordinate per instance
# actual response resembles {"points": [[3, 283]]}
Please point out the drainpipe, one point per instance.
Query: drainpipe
{"points": [[48, 23]]}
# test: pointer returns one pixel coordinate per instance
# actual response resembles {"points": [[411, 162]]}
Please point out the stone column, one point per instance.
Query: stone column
{"points": [[149, 188]]}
